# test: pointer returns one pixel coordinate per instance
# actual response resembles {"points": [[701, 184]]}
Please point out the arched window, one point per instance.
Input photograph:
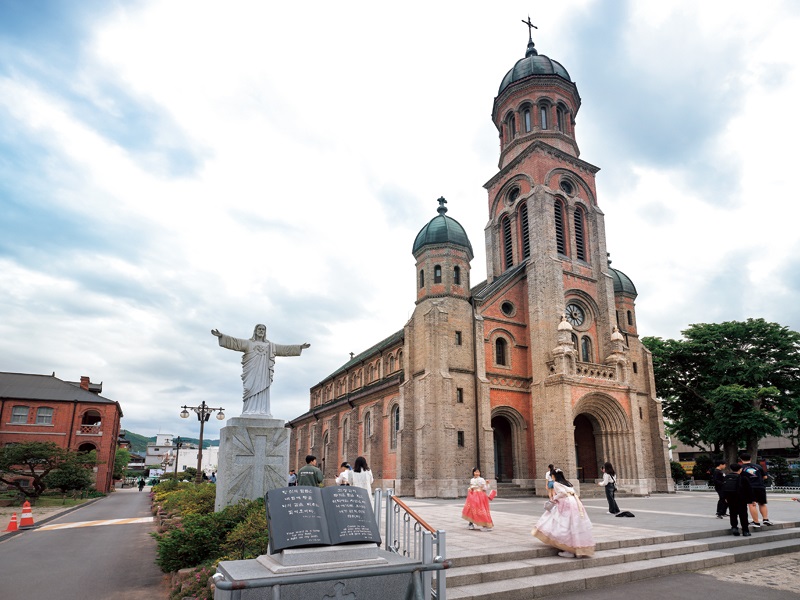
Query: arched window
{"points": [[457, 275], [561, 119], [86, 447], [367, 427], [543, 115], [630, 318], [526, 238], [561, 243], [508, 252], [421, 278], [586, 349], [526, 115], [580, 235], [391, 364], [325, 447], [395, 424], [437, 274], [574, 340], [511, 123], [501, 352], [346, 429]]}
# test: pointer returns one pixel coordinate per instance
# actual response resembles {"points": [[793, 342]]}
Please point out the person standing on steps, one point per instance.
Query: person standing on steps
{"points": [[758, 480], [550, 478], [610, 483], [738, 495], [476, 507], [566, 525], [718, 479]]}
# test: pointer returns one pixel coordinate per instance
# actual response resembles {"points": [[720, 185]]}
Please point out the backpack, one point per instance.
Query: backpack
{"points": [[731, 483]]}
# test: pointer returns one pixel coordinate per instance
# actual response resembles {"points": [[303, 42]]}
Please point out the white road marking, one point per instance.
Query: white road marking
{"points": [[95, 523]]}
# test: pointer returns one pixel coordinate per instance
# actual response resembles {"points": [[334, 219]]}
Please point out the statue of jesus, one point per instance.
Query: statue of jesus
{"points": [[258, 366]]}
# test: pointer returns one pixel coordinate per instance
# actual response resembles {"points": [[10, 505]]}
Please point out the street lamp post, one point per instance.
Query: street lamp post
{"points": [[178, 444], [203, 413]]}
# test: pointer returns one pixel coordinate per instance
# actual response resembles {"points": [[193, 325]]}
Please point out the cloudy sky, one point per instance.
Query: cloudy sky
{"points": [[170, 167]]}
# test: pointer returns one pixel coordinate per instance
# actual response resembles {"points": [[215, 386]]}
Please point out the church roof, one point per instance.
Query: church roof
{"points": [[533, 64], [442, 229], [622, 283]]}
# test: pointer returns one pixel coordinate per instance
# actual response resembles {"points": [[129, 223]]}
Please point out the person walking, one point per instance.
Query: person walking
{"points": [[361, 476], [141, 483], [476, 507], [292, 478], [550, 478], [610, 483], [310, 475], [566, 525]]}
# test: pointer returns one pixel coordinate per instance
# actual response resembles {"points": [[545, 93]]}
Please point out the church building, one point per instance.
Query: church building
{"points": [[541, 363]]}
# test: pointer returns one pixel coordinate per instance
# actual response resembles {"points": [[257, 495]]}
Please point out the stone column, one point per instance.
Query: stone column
{"points": [[253, 459]]}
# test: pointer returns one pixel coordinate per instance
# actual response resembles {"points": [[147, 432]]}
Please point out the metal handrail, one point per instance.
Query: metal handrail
{"points": [[406, 508], [415, 585]]}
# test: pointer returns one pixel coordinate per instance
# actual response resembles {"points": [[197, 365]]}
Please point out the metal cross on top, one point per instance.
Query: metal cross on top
{"points": [[442, 208], [530, 25]]}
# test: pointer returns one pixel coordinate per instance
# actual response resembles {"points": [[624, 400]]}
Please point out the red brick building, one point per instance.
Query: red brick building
{"points": [[42, 408], [541, 363]]}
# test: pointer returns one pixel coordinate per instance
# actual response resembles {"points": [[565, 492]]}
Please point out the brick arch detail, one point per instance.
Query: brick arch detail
{"points": [[612, 431], [519, 454]]}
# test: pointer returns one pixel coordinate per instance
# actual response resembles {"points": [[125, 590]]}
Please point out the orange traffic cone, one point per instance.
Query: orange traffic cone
{"points": [[26, 520], [12, 526]]}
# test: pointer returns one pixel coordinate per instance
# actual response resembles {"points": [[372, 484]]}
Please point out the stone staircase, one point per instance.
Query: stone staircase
{"points": [[513, 490], [540, 572]]}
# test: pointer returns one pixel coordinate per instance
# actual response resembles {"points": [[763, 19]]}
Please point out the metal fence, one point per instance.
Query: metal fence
{"points": [[407, 534], [707, 486]]}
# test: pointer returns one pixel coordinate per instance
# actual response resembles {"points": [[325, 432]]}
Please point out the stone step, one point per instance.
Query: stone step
{"points": [[541, 572]]}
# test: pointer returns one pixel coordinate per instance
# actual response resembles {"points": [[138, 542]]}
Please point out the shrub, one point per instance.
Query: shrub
{"points": [[678, 472], [194, 585], [190, 500], [703, 466], [199, 538], [249, 538]]}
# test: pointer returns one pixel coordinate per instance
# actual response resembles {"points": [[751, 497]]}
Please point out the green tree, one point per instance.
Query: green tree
{"points": [[32, 461], [75, 473], [121, 460], [728, 384], [677, 471], [703, 465], [779, 471]]}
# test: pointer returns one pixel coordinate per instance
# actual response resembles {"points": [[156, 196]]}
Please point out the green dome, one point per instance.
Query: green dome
{"points": [[441, 229], [622, 283], [533, 64]]}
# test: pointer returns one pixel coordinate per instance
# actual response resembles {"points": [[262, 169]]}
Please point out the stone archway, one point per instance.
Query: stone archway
{"points": [[510, 459], [602, 433]]}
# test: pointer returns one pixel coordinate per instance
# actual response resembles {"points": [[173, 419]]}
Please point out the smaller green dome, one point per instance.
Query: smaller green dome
{"points": [[622, 283], [442, 229], [534, 64]]}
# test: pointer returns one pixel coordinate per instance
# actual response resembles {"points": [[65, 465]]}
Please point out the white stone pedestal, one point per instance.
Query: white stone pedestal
{"points": [[253, 459]]}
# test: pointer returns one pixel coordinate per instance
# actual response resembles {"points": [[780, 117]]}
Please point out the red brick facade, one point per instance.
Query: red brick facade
{"points": [[40, 408], [539, 364]]}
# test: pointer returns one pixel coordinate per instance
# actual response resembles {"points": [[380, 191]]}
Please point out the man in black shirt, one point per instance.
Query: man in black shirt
{"points": [[757, 477], [718, 478]]}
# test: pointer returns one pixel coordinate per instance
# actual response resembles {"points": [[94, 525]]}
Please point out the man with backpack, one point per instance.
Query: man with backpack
{"points": [[738, 494], [758, 479], [718, 479]]}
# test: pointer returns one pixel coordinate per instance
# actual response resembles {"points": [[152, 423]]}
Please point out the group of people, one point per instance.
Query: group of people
{"points": [[564, 525], [740, 490], [311, 475]]}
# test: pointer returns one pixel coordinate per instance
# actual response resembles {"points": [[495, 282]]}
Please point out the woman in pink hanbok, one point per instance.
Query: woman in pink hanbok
{"points": [[566, 525], [476, 508]]}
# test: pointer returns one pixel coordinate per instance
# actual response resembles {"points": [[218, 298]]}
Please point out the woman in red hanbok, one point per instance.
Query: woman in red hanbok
{"points": [[566, 525], [476, 508]]}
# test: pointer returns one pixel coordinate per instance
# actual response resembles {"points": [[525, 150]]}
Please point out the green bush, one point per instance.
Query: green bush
{"points": [[249, 539], [678, 472], [190, 499], [200, 537], [194, 585], [703, 465]]}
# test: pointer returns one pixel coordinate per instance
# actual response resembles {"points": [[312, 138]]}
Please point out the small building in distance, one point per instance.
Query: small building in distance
{"points": [[73, 415]]}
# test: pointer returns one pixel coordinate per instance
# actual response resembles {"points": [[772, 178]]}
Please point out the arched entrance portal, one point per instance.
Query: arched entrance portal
{"points": [[503, 449], [585, 448]]}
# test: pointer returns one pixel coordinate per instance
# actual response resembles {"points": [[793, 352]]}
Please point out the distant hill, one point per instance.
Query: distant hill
{"points": [[139, 442]]}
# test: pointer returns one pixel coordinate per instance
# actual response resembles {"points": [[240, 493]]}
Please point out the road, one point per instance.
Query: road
{"points": [[82, 555]]}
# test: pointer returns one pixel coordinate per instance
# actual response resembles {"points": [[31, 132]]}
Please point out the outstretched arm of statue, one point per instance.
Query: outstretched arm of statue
{"points": [[306, 345], [215, 332]]}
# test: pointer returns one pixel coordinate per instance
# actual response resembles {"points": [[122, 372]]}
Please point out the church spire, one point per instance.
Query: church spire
{"points": [[531, 51]]}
